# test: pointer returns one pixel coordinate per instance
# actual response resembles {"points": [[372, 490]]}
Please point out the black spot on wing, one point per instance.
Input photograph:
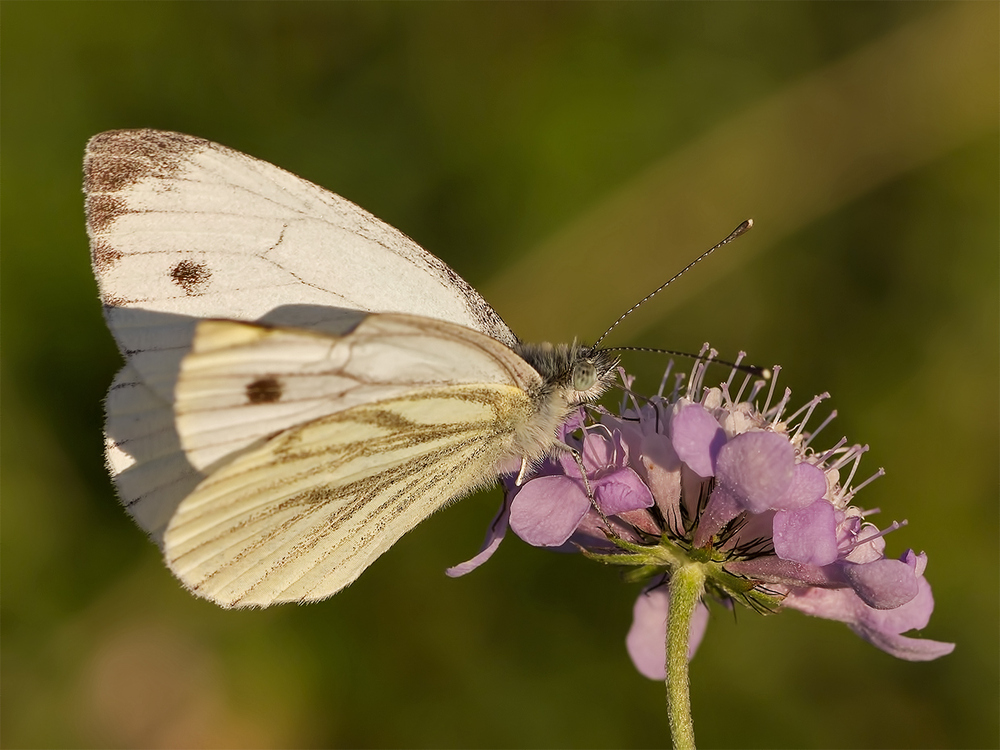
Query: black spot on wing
{"points": [[264, 390], [190, 276]]}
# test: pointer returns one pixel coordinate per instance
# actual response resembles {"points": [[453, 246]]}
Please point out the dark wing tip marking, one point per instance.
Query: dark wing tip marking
{"points": [[103, 256], [118, 159], [143, 142], [266, 390], [190, 276], [102, 210]]}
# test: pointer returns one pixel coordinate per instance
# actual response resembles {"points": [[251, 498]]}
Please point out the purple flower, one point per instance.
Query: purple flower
{"points": [[703, 477]]}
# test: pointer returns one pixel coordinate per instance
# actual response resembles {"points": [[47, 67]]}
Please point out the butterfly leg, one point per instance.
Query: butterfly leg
{"points": [[578, 458]]}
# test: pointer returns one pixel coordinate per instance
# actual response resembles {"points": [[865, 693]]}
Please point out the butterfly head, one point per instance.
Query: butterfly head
{"points": [[575, 373]]}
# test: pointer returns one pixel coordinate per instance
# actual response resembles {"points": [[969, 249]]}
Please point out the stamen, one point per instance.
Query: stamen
{"points": [[777, 371], [712, 354], [678, 379], [697, 372], [831, 452], [818, 430], [726, 398], [658, 408], [732, 373], [627, 393], [746, 382], [780, 408], [891, 527], [855, 490], [666, 374], [854, 453], [635, 405], [758, 386], [854, 468], [600, 426], [811, 406]]}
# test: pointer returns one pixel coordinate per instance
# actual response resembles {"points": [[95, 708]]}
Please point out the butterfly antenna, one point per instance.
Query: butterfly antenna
{"points": [[741, 229], [763, 372]]}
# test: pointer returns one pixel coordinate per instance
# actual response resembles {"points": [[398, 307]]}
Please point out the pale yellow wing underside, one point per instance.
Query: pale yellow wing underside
{"points": [[301, 516], [243, 382]]}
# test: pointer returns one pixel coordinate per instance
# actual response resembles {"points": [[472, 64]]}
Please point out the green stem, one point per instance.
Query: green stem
{"points": [[686, 587]]}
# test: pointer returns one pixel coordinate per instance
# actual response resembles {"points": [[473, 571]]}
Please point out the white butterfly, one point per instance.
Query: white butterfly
{"points": [[303, 383]]}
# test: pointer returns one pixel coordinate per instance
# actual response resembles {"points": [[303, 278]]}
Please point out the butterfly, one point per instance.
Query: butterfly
{"points": [[303, 384]]}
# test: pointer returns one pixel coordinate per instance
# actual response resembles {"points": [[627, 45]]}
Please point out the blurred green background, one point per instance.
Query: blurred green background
{"points": [[565, 159]]}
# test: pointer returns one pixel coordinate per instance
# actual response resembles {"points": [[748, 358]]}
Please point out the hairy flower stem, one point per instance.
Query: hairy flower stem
{"points": [[687, 584]]}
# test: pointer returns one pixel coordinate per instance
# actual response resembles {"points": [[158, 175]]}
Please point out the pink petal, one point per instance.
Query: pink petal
{"points": [[883, 584], [647, 638], [621, 492], [808, 535], [697, 438], [547, 510], [757, 468], [494, 535], [808, 485]]}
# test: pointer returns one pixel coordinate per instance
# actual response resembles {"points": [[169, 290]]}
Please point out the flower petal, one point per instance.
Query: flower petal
{"points": [[547, 510], [902, 647], [697, 437], [620, 492], [881, 628], [722, 508], [598, 452], [770, 569], [757, 468], [647, 637], [662, 468], [808, 485], [808, 535], [494, 535], [882, 584]]}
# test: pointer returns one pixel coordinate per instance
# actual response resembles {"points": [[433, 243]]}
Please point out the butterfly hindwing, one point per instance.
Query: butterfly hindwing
{"points": [[301, 516], [150, 469]]}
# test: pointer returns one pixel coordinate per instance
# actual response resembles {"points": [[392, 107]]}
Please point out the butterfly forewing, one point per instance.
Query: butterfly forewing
{"points": [[185, 226], [244, 382]]}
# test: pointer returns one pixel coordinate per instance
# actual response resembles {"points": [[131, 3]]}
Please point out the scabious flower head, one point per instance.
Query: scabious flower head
{"points": [[700, 476]]}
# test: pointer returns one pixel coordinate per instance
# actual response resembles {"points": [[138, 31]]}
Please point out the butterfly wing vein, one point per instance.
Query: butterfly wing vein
{"points": [[303, 515]]}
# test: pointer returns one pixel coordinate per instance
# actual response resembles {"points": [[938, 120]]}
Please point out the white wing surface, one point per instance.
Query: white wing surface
{"points": [[144, 453], [184, 226]]}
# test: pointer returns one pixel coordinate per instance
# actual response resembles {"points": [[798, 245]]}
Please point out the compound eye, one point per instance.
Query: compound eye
{"points": [[584, 375]]}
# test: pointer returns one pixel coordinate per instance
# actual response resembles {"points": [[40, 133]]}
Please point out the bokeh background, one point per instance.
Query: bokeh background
{"points": [[565, 158]]}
